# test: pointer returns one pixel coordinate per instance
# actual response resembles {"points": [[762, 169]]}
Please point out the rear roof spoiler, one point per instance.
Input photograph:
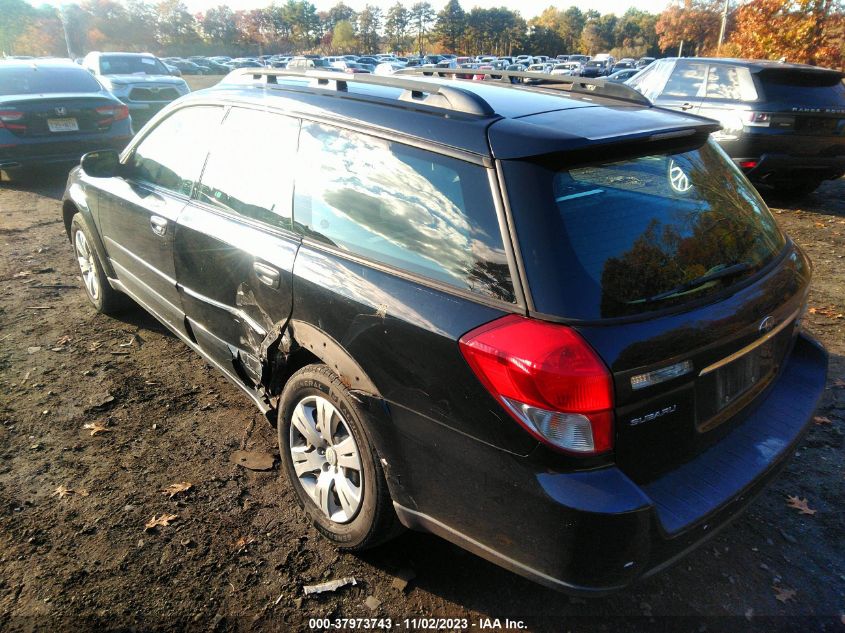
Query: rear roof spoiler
{"points": [[542, 137]]}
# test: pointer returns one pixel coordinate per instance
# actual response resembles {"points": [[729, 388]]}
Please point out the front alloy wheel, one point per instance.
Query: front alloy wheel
{"points": [[326, 458], [87, 265]]}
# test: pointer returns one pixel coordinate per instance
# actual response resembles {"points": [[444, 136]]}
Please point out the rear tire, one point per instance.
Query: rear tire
{"points": [[331, 463], [102, 296]]}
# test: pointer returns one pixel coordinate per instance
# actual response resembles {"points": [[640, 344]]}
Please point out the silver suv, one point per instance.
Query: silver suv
{"points": [[140, 80]]}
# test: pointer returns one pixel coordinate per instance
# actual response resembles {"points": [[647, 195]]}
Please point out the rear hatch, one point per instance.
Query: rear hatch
{"points": [[808, 102], [671, 266]]}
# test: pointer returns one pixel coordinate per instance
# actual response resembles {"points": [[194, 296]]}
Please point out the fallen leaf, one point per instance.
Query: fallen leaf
{"points": [[174, 489], [61, 492], [64, 340], [163, 521], [331, 585], [820, 419], [253, 460], [243, 542], [96, 428], [799, 504], [783, 594], [812, 310]]}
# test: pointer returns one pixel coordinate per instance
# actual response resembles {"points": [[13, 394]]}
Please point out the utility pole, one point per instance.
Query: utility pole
{"points": [[64, 30], [681, 49], [723, 27]]}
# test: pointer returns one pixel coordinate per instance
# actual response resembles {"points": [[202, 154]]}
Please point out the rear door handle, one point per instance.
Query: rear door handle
{"points": [[158, 224], [267, 275]]}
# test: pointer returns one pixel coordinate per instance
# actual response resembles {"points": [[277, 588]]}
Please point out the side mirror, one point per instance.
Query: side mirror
{"points": [[103, 163]]}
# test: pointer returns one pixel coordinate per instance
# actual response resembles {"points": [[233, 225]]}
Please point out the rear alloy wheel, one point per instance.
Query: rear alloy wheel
{"points": [[330, 462], [326, 458]]}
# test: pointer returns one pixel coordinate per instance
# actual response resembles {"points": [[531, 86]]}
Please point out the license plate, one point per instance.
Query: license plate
{"points": [[733, 380], [63, 125]]}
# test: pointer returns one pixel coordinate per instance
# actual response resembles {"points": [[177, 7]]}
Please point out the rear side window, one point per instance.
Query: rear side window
{"points": [[425, 213], [652, 79], [622, 238], [171, 156], [18, 80], [250, 168], [730, 82]]}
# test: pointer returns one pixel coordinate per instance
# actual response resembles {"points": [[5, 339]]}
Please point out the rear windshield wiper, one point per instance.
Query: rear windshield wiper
{"points": [[712, 275]]}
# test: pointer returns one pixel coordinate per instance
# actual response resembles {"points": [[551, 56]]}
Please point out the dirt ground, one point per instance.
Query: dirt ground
{"points": [[74, 500]]}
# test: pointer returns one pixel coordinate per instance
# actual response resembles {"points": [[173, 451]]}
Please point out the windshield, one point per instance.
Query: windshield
{"points": [[622, 238], [43, 80], [131, 65]]}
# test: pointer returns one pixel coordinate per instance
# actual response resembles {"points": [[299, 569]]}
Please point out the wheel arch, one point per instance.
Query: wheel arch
{"points": [[71, 208]]}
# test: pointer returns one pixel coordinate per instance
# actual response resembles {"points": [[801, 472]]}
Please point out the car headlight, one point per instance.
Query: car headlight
{"points": [[183, 87]]}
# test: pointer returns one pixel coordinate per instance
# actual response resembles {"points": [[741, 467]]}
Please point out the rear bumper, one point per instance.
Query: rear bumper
{"points": [[773, 168], [596, 531], [784, 157]]}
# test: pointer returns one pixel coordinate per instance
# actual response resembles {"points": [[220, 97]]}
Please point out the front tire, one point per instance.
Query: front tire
{"points": [[102, 296], [331, 463]]}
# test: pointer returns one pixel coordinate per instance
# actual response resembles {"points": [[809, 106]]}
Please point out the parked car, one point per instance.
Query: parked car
{"points": [[52, 112], [594, 68], [186, 67], [388, 68], [308, 61], [139, 80], [350, 67], [622, 76], [642, 62], [578, 356], [566, 68], [783, 124]]}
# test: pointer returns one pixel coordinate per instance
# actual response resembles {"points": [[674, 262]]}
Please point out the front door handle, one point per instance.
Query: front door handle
{"points": [[158, 224], [687, 106], [267, 275]]}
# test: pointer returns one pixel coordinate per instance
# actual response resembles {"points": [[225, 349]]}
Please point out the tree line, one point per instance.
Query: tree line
{"points": [[811, 31]]}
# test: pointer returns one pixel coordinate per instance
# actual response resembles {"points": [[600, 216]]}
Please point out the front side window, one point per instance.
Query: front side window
{"points": [[651, 80], [250, 168], [418, 211], [623, 238], [171, 156]]}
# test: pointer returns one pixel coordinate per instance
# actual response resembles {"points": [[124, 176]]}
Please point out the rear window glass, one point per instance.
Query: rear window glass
{"points": [[425, 213], [804, 87], [618, 239], [15, 81]]}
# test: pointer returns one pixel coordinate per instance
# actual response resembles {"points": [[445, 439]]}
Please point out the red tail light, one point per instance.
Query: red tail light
{"points": [[548, 379], [748, 164], [9, 119], [113, 113]]}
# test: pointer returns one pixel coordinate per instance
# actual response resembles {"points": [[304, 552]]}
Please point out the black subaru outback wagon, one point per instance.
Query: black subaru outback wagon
{"points": [[557, 328]]}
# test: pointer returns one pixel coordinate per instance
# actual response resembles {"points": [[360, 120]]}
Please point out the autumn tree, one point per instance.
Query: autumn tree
{"points": [[804, 31], [695, 23], [17, 17], [369, 23]]}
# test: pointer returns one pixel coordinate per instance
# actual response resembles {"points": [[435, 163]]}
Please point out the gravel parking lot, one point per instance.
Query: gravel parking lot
{"points": [[100, 415]]}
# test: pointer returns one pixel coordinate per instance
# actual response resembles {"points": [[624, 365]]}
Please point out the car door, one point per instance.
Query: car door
{"points": [[234, 248], [685, 87], [138, 210]]}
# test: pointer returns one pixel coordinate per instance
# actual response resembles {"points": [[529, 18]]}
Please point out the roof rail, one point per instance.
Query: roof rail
{"points": [[602, 87], [426, 93]]}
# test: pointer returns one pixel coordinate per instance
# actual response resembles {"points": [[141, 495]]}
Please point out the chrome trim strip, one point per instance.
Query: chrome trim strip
{"points": [[751, 346]]}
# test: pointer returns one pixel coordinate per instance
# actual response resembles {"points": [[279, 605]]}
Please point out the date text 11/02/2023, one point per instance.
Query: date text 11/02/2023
{"points": [[415, 624]]}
